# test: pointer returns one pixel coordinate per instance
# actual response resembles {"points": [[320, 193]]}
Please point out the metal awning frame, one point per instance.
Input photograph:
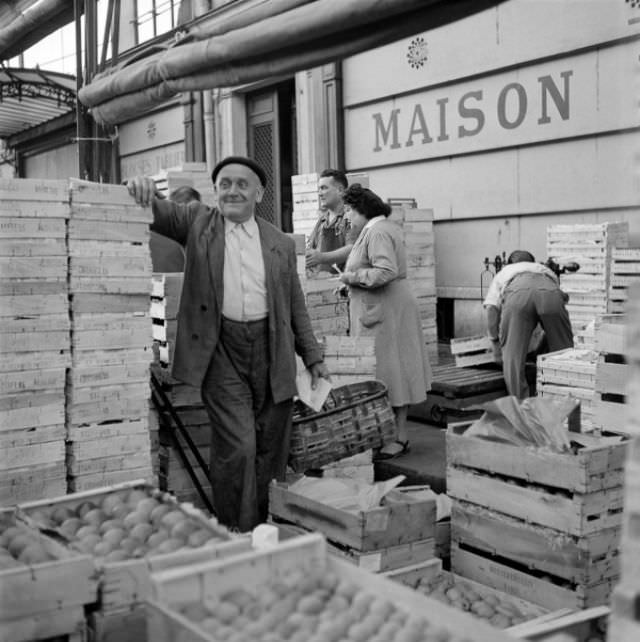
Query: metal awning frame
{"points": [[45, 87]]}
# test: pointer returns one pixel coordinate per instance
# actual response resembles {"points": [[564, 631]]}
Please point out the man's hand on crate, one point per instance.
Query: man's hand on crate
{"points": [[143, 189]]}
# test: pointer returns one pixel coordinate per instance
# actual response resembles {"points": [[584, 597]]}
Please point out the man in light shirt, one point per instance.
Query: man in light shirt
{"points": [[521, 296], [333, 235], [242, 318]]}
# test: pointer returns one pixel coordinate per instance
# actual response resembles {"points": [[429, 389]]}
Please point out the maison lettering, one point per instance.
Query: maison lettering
{"points": [[469, 117]]}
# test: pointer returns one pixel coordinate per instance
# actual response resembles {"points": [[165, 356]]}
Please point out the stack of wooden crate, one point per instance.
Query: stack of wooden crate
{"points": [[537, 524], [570, 373], [624, 623], [108, 384], [304, 189], [625, 270], [398, 533], [612, 374], [349, 359], [185, 399], [34, 338], [194, 175], [417, 225], [328, 309], [591, 246]]}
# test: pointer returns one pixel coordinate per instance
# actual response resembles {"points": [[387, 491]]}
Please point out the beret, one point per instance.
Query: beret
{"points": [[240, 160]]}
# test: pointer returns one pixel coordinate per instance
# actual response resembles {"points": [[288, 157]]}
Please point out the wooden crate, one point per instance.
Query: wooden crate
{"points": [[63, 622], [597, 466], [127, 625], [424, 577], [178, 588], [472, 351], [44, 599], [382, 560], [492, 571], [570, 513], [128, 582], [536, 517], [613, 374], [570, 367], [585, 560], [587, 625], [402, 520]]}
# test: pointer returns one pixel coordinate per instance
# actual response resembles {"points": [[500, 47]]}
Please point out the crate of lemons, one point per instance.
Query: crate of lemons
{"points": [[44, 585], [129, 530], [499, 609], [297, 592]]}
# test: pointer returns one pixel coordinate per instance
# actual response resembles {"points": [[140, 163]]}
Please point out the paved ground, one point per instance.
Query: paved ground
{"points": [[425, 463]]}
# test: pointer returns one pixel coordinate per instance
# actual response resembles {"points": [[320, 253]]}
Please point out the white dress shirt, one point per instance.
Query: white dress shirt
{"points": [[245, 287], [502, 279]]}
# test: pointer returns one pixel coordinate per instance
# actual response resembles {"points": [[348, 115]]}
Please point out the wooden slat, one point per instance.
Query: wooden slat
{"points": [[32, 248], [34, 189], [575, 514], [598, 465], [32, 228], [11, 306], [585, 560], [489, 571], [398, 522], [57, 622]]}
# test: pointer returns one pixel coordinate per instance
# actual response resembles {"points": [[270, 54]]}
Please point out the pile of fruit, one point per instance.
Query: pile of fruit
{"points": [[461, 595], [20, 546], [310, 606], [125, 524]]}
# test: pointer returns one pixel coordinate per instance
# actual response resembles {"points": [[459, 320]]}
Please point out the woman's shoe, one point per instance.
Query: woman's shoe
{"points": [[394, 449]]}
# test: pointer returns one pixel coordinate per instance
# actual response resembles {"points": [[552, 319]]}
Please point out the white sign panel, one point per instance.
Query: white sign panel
{"points": [[569, 97], [512, 33], [152, 162]]}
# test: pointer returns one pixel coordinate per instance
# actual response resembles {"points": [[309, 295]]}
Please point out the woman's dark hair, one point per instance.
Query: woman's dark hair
{"points": [[368, 203], [520, 256]]}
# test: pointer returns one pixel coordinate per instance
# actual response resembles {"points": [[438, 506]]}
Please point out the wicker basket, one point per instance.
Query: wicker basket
{"points": [[354, 418]]}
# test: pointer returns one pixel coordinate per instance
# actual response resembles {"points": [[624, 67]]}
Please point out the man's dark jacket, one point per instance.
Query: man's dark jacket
{"points": [[201, 231]]}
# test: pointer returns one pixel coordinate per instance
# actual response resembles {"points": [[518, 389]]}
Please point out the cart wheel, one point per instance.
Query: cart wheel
{"points": [[438, 414]]}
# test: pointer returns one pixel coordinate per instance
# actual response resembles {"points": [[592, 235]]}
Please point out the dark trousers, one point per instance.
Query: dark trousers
{"points": [[530, 299], [250, 433]]}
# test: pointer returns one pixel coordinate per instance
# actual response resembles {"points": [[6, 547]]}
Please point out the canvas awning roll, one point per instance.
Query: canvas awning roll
{"points": [[268, 39]]}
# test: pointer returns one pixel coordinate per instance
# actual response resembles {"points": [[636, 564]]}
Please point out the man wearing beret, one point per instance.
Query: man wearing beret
{"points": [[242, 318]]}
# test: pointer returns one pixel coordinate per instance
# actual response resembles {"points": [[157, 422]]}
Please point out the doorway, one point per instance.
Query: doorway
{"points": [[272, 142]]}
